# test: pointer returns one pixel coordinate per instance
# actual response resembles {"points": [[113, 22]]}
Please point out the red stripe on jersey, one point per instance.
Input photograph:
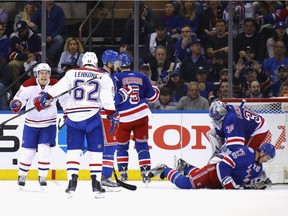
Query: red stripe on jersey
{"points": [[108, 163], [145, 162], [122, 160], [143, 107], [170, 174], [73, 162], [13, 56], [229, 161], [43, 163]]}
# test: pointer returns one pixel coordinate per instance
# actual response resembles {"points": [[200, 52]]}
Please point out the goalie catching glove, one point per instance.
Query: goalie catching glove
{"points": [[42, 101], [15, 106], [114, 118]]}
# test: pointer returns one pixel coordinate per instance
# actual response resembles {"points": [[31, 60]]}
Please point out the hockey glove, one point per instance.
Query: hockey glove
{"points": [[114, 122], [15, 106], [125, 92], [42, 102]]}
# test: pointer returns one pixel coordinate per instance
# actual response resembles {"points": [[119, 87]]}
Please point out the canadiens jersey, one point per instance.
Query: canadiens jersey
{"points": [[27, 94], [240, 165], [136, 106], [86, 100], [239, 125]]}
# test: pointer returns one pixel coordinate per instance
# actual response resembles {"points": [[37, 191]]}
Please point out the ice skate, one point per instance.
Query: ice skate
{"points": [[109, 185], [72, 186], [181, 165], [146, 179], [156, 171], [123, 176], [21, 181], [42, 182], [98, 191]]}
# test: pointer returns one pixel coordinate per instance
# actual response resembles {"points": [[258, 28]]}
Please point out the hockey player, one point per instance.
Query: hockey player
{"points": [[235, 126], [134, 117], [109, 57], [39, 132], [83, 117], [236, 169]]}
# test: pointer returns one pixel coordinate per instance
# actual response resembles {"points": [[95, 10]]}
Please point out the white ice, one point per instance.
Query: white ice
{"points": [[160, 198]]}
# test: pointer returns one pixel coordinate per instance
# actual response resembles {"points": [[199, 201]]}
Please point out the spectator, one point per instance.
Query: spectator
{"points": [[193, 100], [255, 89], [4, 83], [4, 43], [164, 101], [25, 15], [55, 29], [72, 55], [146, 25], [177, 86], [219, 41], [183, 44], [279, 34], [145, 69], [283, 91], [207, 21], [157, 38], [218, 63], [271, 65], [160, 64], [282, 73], [222, 91], [242, 10], [190, 14], [206, 88], [241, 86], [25, 48], [250, 37], [129, 49], [172, 21], [190, 65]]}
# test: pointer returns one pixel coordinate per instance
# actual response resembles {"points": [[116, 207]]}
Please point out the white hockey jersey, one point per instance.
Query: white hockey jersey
{"points": [[86, 100], [27, 94]]}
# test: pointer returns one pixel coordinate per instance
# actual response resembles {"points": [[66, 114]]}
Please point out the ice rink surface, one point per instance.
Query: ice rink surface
{"points": [[160, 198]]}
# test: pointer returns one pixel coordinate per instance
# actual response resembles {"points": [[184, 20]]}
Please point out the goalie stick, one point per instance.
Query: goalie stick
{"points": [[123, 184], [7, 127]]}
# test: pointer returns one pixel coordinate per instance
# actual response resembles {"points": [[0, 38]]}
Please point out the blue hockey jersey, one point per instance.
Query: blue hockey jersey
{"points": [[136, 106], [239, 165], [239, 125]]}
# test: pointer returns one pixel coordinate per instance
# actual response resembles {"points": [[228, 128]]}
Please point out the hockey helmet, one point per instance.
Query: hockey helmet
{"points": [[90, 58], [269, 150], [125, 60], [43, 66], [109, 56], [217, 112]]}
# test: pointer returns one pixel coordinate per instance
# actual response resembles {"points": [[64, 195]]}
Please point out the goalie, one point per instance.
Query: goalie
{"points": [[235, 126]]}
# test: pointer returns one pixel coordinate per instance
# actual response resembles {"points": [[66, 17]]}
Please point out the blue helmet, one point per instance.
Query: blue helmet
{"points": [[125, 60], [109, 56], [269, 149], [217, 112]]}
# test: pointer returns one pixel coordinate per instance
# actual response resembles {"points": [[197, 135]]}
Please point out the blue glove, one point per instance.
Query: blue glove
{"points": [[114, 122], [15, 106], [42, 102]]}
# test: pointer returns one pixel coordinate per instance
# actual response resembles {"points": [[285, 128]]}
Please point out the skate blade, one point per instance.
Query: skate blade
{"points": [[21, 187], [69, 194], [98, 195], [112, 189]]}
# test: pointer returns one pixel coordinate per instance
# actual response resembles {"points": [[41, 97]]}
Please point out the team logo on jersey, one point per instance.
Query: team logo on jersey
{"points": [[230, 128]]}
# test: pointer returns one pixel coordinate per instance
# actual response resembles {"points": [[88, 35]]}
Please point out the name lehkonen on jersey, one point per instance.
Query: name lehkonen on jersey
{"points": [[87, 74]]}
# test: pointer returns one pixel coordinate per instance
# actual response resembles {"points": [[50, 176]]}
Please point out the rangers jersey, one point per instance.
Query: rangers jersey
{"points": [[136, 106]]}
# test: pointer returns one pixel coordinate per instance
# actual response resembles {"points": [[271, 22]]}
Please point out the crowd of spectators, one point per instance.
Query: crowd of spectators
{"points": [[185, 49]]}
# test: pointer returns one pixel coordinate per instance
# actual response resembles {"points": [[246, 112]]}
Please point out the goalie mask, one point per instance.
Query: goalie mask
{"points": [[217, 113]]}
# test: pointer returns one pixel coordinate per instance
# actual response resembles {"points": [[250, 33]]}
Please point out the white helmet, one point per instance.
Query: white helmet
{"points": [[90, 58], [43, 66]]}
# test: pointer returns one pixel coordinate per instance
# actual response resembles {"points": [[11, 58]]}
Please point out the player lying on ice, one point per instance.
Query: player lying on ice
{"points": [[236, 170]]}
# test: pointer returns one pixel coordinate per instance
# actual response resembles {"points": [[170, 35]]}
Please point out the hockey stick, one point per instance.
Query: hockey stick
{"points": [[123, 184], [3, 126], [20, 77]]}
